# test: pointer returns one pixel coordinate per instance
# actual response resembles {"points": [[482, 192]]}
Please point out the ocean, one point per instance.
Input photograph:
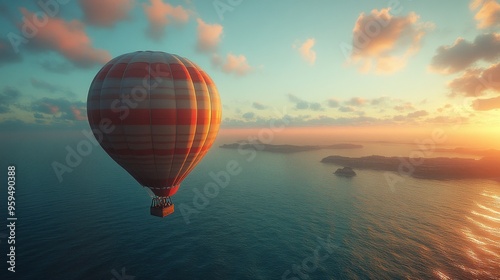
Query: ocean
{"points": [[276, 216]]}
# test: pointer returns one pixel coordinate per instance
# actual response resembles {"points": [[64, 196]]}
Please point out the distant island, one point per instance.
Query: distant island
{"points": [[345, 172], [467, 151], [285, 149], [427, 168]]}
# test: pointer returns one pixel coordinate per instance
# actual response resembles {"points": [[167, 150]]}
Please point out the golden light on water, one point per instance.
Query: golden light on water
{"points": [[483, 233], [489, 209], [486, 216]]}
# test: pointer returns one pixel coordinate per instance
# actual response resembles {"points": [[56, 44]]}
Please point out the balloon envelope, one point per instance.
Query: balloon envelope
{"points": [[156, 114]]}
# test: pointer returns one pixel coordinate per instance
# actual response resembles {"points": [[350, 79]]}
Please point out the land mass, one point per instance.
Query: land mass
{"points": [[345, 172], [467, 151], [284, 149], [427, 168]]}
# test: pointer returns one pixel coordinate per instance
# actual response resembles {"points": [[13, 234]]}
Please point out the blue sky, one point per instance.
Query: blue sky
{"points": [[294, 56]]}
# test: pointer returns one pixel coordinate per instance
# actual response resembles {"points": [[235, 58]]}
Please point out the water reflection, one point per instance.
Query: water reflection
{"points": [[483, 234]]}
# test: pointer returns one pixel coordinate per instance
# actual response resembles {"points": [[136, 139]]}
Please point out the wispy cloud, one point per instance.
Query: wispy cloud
{"points": [[487, 13], [356, 101], [105, 13], [51, 88], [301, 104], [7, 53], [259, 106], [160, 15], [68, 39], [333, 103], [209, 36], [486, 104], [61, 109], [306, 50], [232, 64], [8, 96]]}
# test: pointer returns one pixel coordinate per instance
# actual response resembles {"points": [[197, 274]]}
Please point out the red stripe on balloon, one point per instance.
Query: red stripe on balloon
{"points": [[154, 116], [156, 152]]}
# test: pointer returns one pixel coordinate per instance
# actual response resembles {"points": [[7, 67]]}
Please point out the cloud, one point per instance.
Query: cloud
{"points": [[7, 53], [233, 64], [447, 120], [476, 82], [462, 54], [209, 36], [67, 38], [60, 109], [315, 106], [51, 88], [488, 14], [356, 101], [306, 51], [407, 106], [301, 104], [486, 104], [410, 117], [249, 115], [383, 42], [8, 96], [379, 100], [346, 109], [105, 13], [444, 108], [259, 106], [56, 67], [417, 114], [304, 121], [160, 15], [333, 103]]}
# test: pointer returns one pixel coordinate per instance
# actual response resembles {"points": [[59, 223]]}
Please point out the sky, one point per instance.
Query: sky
{"points": [[337, 67]]}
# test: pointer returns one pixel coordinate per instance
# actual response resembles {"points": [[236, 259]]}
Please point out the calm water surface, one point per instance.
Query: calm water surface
{"points": [[266, 224]]}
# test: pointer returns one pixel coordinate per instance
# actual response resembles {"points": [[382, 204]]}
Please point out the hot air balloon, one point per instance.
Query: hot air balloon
{"points": [[157, 115]]}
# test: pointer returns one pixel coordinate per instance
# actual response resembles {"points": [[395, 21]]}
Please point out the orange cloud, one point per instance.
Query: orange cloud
{"points": [[486, 104], [105, 12], [67, 38], [356, 101], [407, 106], [209, 36], [462, 54], [77, 114], [477, 82], [488, 14], [383, 42], [159, 15], [236, 64], [306, 51]]}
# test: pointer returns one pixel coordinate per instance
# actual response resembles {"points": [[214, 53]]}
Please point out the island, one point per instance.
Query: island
{"points": [[259, 146], [342, 146], [426, 168], [345, 172], [467, 151]]}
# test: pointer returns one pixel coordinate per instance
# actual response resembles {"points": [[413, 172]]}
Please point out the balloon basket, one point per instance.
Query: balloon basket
{"points": [[161, 206]]}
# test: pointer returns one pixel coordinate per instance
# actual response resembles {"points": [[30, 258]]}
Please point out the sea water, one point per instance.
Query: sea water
{"points": [[281, 216]]}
